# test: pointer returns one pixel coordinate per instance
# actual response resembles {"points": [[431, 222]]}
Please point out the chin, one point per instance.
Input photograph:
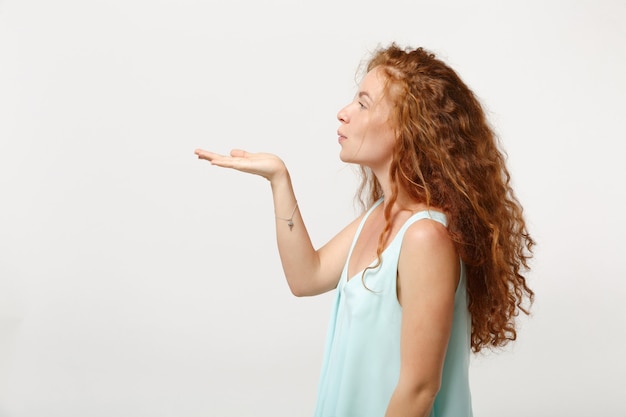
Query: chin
{"points": [[345, 156], [345, 159]]}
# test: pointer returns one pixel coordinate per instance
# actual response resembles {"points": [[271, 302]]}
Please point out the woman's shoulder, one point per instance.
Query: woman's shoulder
{"points": [[427, 232], [428, 259]]}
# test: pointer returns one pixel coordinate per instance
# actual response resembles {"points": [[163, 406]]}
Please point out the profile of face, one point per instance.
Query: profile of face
{"points": [[366, 134]]}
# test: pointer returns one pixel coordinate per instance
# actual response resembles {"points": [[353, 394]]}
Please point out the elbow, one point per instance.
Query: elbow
{"points": [[421, 392], [426, 392], [303, 290], [413, 398], [306, 286], [429, 389], [429, 393], [297, 290]]}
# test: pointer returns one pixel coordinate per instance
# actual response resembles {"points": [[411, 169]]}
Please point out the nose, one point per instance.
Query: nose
{"points": [[342, 116]]}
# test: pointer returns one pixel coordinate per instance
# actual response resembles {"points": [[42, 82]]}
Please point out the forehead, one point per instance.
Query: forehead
{"points": [[374, 84]]}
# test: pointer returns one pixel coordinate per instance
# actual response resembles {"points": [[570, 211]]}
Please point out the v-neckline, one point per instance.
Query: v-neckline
{"points": [[349, 277], [356, 238]]}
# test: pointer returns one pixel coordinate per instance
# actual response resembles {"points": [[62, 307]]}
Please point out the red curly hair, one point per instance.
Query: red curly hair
{"points": [[447, 156]]}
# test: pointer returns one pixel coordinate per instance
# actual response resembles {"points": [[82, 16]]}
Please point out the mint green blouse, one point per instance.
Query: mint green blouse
{"points": [[362, 355]]}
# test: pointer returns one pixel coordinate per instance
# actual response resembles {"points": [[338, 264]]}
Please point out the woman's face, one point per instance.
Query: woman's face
{"points": [[366, 135]]}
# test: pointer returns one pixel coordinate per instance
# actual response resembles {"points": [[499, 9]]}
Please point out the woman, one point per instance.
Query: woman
{"points": [[433, 268]]}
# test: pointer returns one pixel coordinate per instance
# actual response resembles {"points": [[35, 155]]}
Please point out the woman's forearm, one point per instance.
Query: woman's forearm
{"points": [[299, 258]]}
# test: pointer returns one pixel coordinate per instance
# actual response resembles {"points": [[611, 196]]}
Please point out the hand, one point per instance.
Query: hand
{"points": [[267, 165]]}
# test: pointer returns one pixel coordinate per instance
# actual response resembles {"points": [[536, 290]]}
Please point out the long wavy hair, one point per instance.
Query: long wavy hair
{"points": [[447, 156]]}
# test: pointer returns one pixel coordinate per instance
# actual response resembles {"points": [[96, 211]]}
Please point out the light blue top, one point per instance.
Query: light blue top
{"points": [[362, 355]]}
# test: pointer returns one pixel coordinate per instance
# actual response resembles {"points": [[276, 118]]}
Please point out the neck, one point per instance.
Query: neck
{"points": [[385, 184], [382, 176], [403, 201]]}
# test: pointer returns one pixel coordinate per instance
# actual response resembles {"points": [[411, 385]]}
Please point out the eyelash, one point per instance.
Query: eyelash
{"points": [[361, 105]]}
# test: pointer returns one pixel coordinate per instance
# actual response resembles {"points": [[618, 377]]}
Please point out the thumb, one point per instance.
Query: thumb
{"points": [[238, 153]]}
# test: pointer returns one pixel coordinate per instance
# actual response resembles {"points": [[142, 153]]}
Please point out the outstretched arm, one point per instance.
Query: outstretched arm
{"points": [[308, 271]]}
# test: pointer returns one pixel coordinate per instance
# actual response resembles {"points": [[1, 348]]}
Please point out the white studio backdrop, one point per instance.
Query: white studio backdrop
{"points": [[138, 281]]}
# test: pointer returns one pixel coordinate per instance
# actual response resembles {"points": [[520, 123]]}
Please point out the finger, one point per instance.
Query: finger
{"points": [[239, 153], [209, 156], [236, 162]]}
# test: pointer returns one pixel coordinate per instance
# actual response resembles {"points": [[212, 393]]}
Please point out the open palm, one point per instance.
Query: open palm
{"points": [[266, 165]]}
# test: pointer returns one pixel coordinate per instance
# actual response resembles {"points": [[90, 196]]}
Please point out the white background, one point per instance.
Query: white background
{"points": [[138, 281]]}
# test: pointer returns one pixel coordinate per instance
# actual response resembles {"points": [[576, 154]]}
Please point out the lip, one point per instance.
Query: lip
{"points": [[341, 137]]}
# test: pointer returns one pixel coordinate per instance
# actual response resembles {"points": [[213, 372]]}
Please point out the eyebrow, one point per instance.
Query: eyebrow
{"points": [[365, 94]]}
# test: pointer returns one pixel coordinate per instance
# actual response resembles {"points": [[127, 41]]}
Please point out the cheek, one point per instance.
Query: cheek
{"points": [[386, 137], [382, 126]]}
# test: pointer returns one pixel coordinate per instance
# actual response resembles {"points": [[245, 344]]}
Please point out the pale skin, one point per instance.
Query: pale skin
{"points": [[428, 267]]}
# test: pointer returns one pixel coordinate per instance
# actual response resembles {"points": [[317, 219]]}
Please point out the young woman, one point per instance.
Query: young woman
{"points": [[433, 268]]}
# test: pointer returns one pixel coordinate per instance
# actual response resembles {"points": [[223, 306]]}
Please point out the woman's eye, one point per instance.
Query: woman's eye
{"points": [[361, 105]]}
